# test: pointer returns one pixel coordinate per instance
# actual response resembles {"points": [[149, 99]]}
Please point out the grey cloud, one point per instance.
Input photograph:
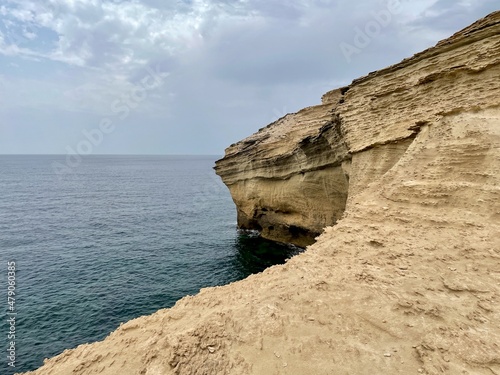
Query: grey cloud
{"points": [[234, 66], [448, 16]]}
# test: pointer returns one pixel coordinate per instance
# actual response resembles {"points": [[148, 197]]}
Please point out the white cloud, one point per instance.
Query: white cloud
{"points": [[95, 33]]}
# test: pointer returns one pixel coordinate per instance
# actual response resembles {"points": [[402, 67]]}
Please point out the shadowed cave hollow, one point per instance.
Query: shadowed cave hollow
{"points": [[299, 208], [280, 219]]}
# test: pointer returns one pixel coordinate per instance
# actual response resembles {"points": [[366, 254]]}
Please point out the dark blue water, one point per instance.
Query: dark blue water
{"points": [[111, 239]]}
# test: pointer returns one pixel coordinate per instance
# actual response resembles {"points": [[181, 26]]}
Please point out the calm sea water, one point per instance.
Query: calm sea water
{"points": [[117, 238]]}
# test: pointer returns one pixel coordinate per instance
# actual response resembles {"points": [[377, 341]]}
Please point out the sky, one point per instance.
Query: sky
{"points": [[192, 76]]}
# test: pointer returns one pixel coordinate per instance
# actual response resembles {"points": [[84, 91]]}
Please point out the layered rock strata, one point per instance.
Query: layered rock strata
{"points": [[406, 282], [294, 177]]}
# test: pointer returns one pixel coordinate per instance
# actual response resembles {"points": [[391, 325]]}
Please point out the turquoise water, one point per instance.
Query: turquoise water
{"points": [[117, 238]]}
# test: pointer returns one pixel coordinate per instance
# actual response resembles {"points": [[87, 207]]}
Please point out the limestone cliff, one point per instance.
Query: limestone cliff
{"points": [[406, 162], [293, 178], [288, 180]]}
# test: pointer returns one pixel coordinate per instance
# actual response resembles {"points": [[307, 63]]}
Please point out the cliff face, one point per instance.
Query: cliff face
{"points": [[406, 282], [289, 179], [294, 177]]}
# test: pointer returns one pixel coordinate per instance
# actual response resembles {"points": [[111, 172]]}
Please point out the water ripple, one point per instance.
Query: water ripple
{"points": [[120, 238]]}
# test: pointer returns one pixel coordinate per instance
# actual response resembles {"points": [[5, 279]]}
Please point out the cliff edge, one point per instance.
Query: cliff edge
{"points": [[295, 177], [405, 162]]}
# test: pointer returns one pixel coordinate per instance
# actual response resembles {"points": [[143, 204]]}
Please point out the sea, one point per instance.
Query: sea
{"points": [[88, 243]]}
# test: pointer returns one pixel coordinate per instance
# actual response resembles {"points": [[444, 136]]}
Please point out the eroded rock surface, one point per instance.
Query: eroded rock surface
{"points": [[406, 162], [289, 179], [294, 177]]}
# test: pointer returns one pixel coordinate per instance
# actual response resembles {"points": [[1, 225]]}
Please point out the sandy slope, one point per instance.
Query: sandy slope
{"points": [[407, 282]]}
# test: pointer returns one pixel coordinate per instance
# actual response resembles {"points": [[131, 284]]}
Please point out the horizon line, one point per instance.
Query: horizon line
{"points": [[112, 155]]}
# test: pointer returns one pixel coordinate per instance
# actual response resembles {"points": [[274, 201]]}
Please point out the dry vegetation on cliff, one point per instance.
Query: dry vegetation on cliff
{"points": [[406, 282]]}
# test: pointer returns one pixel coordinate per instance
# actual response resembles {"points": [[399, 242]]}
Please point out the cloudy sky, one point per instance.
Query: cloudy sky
{"points": [[192, 76]]}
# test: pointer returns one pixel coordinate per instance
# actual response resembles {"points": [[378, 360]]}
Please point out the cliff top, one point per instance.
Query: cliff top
{"points": [[283, 135]]}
